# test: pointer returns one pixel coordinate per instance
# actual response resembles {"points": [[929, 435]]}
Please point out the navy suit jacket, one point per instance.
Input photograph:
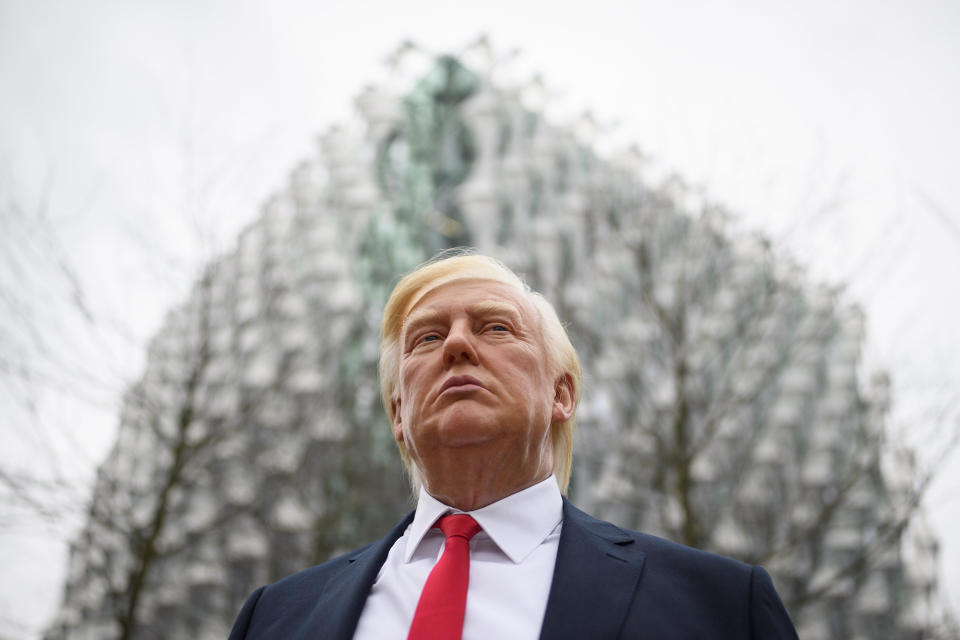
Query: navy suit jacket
{"points": [[608, 583]]}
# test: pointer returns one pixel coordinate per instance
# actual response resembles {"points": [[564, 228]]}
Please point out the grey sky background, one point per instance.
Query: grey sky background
{"points": [[152, 131]]}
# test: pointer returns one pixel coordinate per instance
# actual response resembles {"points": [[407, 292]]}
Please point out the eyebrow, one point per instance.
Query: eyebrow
{"points": [[417, 319]]}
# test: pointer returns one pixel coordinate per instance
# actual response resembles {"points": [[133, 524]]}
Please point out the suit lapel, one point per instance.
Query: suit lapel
{"points": [[338, 608], [598, 569]]}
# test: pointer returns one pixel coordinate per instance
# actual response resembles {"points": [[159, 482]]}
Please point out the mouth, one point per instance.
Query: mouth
{"points": [[460, 382]]}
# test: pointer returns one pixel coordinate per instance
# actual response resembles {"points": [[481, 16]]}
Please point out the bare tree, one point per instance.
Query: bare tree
{"points": [[746, 428]]}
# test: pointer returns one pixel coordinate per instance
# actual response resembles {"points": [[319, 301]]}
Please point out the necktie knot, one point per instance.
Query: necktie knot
{"points": [[459, 525]]}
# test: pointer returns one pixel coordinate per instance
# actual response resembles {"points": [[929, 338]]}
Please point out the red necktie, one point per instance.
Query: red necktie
{"points": [[439, 614]]}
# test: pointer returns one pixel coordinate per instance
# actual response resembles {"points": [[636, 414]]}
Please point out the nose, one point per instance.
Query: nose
{"points": [[460, 345]]}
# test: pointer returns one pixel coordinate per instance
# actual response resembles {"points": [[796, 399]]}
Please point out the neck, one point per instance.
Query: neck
{"points": [[467, 493]]}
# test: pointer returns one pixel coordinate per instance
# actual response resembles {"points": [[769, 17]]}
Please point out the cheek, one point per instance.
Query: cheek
{"points": [[531, 375], [411, 387]]}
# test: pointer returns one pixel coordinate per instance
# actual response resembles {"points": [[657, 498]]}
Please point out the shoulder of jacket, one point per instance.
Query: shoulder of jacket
{"points": [[656, 547], [317, 574]]}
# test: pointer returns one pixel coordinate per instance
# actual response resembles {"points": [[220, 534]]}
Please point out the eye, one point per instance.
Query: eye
{"points": [[422, 340], [498, 326]]}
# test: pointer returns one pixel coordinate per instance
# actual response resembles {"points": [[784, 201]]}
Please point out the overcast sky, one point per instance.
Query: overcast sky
{"points": [[153, 131]]}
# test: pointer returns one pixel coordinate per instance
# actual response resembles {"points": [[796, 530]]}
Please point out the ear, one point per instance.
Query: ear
{"points": [[397, 426], [563, 400]]}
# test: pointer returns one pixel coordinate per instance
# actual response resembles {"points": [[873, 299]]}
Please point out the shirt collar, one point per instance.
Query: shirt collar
{"points": [[517, 523]]}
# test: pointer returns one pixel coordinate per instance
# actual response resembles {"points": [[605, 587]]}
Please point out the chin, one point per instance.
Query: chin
{"points": [[466, 432]]}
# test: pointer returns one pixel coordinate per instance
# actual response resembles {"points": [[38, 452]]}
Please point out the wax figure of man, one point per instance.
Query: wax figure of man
{"points": [[481, 383]]}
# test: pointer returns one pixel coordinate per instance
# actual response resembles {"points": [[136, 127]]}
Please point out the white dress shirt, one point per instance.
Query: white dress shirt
{"points": [[511, 567]]}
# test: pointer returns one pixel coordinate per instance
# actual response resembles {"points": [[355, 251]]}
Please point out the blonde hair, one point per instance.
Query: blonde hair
{"points": [[452, 266]]}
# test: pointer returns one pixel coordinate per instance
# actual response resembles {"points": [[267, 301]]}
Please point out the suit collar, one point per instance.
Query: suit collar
{"points": [[598, 569], [338, 610]]}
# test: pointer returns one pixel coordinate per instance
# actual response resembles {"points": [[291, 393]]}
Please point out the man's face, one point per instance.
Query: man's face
{"points": [[474, 379]]}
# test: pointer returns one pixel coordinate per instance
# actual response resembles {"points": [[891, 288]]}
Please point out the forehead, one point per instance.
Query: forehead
{"points": [[474, 295]]}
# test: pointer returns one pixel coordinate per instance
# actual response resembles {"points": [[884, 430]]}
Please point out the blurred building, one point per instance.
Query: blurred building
{"points": [[724, 404]]}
